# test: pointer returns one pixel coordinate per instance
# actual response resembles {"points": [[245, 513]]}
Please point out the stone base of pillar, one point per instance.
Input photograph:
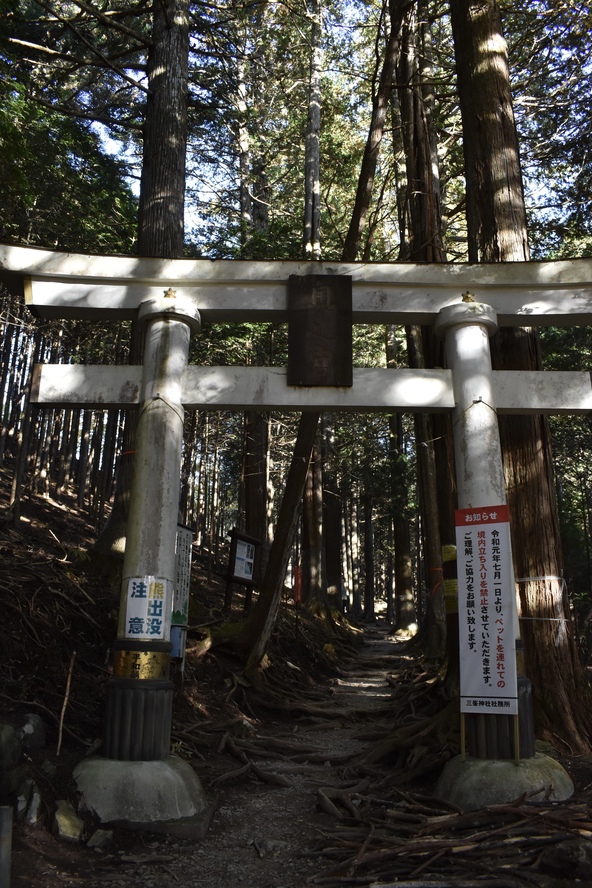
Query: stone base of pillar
{"points": [[138, 720], [471, 784], [157, 796]]}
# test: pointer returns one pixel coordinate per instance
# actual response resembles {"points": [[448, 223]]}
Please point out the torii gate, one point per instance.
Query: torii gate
{"points": [[171, 297]]}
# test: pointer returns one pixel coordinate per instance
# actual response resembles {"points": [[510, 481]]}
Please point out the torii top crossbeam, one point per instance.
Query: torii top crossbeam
{"points": [[68, 285]]}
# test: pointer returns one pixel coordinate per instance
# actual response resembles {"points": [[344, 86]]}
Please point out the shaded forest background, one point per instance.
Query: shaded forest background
{"points": [[279, 109]]}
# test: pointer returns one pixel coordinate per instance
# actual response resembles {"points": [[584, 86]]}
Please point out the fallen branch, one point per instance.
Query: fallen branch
{"points": [[65, 703]]}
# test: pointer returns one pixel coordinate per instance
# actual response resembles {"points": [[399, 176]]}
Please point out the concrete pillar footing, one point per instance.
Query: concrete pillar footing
{"points": [[162, 797], [477, 783]]}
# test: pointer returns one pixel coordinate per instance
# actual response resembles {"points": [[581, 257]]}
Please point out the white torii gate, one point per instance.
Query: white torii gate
{"points": [[58, 285], [171, 296]]}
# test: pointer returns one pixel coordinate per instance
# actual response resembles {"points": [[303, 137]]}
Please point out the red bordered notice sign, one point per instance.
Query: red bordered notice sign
{"points": [[486, 611]]}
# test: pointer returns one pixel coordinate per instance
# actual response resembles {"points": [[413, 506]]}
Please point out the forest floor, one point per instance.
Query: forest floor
{"points": [[324, 776]]}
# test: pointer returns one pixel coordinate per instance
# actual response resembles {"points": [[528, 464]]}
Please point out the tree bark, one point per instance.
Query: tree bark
{"points": [[23, 436], [332, 523], [421, 159], [496, 213], [369, 611], [405, 617], [255, 481], [314, 579]]}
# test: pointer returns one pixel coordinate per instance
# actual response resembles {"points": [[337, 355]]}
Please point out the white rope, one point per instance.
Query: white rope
{"points": [[562, 620], [533, 579]]}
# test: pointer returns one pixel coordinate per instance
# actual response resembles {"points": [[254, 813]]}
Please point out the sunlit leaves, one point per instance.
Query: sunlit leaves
{"points": [[57, 188]]}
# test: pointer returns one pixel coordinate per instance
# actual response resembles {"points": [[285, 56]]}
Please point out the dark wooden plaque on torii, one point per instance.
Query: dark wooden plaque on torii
{"points": [[320, 330]]}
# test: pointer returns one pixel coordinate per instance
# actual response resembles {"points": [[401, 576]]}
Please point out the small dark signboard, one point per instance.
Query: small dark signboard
{"points": [[241, 565], [320, 330]]}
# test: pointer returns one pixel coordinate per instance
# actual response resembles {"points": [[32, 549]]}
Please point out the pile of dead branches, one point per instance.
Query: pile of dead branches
{"points": [[56, 622], [401, 838]]}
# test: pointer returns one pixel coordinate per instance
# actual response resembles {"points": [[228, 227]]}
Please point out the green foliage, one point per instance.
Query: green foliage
{"points": [[87, 61], [549, 45], [57, 187], [571, 349]]}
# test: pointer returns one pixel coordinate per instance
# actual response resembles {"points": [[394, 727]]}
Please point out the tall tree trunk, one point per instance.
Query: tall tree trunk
{"points": [[414, 80], [255, 480], [405, 611], [24, 433], [312, 191], [497, 233], [312, 515], [380, 104], [348, 540], [84, 456], [162, 185], [162, 205], [496, 214], [187, 473], [201, 492], [355, 547], [425, 245], [369, 583], [243, 142], [435, 638], [331, 516], [262, 619], [405, 617], [213, 516]]}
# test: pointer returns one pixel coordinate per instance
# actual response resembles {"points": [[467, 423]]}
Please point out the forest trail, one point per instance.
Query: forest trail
{"points": [[269, 816], [303, 799], [264, 835]]}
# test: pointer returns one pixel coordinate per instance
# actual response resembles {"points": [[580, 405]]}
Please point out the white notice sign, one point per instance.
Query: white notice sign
{"points": [[183, 575], [486, 611], [148, 608], [244, 560]]}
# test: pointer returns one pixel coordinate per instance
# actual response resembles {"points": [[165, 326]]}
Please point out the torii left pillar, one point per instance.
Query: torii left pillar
{"points": [[139, 697], [137, 781]]}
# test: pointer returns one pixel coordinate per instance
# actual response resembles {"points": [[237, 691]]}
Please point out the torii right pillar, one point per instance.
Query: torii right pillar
{"points": [[496, 717]]}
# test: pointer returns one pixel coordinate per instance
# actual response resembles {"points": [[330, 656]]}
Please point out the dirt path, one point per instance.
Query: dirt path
{"points": [[300, 803], [262, 835]]}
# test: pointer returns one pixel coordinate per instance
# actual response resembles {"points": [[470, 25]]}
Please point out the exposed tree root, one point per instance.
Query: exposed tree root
{"points": [[437, 731]]}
